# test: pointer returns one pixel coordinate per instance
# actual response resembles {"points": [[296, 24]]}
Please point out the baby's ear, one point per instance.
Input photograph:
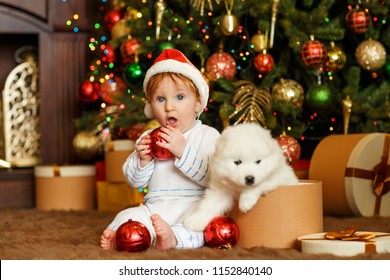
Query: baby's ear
{"points": [[198, 107]]}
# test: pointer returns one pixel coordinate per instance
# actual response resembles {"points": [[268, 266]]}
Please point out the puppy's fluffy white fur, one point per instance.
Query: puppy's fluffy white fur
{"points": [[247, 163]]}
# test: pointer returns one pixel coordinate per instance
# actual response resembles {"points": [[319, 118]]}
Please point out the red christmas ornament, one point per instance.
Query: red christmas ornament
{"points": [[128, 49], [111, 18], [132, 236], [313, 53], [222, 232], [220, 65], [291, 148], [135, 130], [112, 89], [89, 91], [157, 151], [263, 62], [109, 55], [358, 20]]}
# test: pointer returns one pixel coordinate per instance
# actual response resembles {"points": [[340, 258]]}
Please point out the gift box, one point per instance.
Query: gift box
{"points": [[114, 197], [116, 153], [281, 216], [65, 187], [355, 173], [340, 244]]}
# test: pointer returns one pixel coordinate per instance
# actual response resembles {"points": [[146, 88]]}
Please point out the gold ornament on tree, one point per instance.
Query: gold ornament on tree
{"points": [[288, 91], [335, 58], [370, 55], [229, 22], [86, 145], [120, 29], [347, 109], [251, 102], [159, 8], [200, 4], [259, 41], [274, 14]]}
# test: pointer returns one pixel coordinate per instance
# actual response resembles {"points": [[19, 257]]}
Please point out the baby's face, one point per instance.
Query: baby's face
{"points": [[175, 104]]}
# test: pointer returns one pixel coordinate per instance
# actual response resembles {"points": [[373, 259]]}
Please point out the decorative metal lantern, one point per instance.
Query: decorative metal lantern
{"points": [[20, 102]]}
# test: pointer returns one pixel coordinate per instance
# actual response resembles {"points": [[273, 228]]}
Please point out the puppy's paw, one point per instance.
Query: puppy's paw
{"points": [[246, 202], [195, 222]]}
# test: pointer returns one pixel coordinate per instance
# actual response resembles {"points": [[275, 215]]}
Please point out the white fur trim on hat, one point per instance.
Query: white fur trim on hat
{"points": [[148, 111], [174, 61]]}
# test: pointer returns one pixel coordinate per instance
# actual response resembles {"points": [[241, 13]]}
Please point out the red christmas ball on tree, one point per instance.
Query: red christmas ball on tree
{"points": [[128, 49], [109, 55], [132, 236], [135, 130], [263, 63], [313, 53], [111, 89], [220, 65], [157, 151], [291, 148], [111, 18], [358, 20], [89, 91], [222, 232]]}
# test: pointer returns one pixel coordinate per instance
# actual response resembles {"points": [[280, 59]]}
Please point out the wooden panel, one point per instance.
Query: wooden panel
{"points": [[59, 97], [17, 188], [36, 7]]}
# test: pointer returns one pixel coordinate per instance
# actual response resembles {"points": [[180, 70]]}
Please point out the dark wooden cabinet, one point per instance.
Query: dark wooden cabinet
{"points": [[62, 58], [62, 63]]}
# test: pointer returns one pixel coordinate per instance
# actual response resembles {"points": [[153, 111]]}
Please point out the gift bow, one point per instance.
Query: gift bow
{"points": [[349, 234], [380, 176]]}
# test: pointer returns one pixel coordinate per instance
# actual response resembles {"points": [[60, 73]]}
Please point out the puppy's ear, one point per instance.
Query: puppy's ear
{"points": [[221, 144]]}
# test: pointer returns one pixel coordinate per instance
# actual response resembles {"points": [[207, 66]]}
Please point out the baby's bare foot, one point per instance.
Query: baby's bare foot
{"points": [[165, 238], [107, 240]]}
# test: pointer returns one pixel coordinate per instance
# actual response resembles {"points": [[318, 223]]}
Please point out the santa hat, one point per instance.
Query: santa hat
{"points": [[174, 61]]}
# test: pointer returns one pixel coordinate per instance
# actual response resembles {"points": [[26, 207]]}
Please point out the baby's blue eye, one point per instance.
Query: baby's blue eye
{"points": [[180, 97], [160, 99]]}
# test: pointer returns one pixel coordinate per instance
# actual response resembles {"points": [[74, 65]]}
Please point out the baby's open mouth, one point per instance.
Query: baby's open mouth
{"points": [[172, 121]]}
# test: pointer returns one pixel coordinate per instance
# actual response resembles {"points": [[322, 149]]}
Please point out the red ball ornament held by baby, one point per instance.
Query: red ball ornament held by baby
{"points": [[156, 151], [132, 236]]}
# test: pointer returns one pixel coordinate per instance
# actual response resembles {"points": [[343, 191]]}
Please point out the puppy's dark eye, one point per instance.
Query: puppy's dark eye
{"points": [[237, 162], [257, 161]]}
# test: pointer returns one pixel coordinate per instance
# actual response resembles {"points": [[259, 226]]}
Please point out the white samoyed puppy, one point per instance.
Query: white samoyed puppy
{"points": [[246, 164]]}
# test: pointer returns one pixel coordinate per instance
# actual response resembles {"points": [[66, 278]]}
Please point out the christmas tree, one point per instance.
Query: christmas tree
{"points": [[304, 69]]}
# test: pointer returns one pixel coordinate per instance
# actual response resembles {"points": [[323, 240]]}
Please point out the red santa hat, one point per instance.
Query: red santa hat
{"points": [[174, 61]]}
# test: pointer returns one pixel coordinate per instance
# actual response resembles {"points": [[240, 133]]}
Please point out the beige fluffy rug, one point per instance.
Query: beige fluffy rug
{"points": [[72, 235]]}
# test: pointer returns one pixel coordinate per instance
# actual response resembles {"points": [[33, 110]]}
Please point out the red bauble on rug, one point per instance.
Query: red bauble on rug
{"points": [[158, 152], [132, 236], [222, 233]]}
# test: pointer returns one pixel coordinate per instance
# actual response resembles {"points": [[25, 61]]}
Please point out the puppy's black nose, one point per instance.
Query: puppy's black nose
{"points": [[249, 180]]}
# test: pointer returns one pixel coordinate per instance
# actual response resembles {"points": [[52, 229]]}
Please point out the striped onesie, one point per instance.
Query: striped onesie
{"points": [[174, 186]]}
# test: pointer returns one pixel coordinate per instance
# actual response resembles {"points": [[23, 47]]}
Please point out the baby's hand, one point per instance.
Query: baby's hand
{"points": [[143, 150], [175, 142]]}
